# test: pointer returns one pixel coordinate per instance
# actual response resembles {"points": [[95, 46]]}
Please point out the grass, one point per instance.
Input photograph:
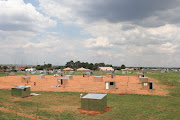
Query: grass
{"points": [[171, 79], [64, 105]]}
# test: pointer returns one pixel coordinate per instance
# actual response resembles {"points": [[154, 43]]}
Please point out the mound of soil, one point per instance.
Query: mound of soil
{"points": [[91, 112]]}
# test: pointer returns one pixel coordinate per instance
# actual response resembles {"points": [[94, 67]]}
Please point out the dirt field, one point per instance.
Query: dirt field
{"points": [[125, 85]]}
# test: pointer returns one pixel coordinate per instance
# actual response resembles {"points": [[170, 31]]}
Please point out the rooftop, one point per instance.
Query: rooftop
{"points": [[21, 87], [94, 96]]}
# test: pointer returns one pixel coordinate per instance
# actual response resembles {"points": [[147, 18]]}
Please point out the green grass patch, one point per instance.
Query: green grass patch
{"points": [[64, 106], [171, 80]]}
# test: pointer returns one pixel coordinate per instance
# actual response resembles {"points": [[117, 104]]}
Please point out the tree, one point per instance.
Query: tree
{"points": [[123, 66], [5, 67], [13, 68], [70, 64], [38, 67]]}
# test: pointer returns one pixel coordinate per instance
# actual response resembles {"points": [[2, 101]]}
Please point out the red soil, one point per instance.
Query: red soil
{"points": [[12, 111], [125, 85], [91, 112]]}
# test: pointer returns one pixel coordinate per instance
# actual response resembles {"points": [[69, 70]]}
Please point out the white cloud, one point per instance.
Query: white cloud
{"points": [[143, 42], [98, 42], [16, 15]]}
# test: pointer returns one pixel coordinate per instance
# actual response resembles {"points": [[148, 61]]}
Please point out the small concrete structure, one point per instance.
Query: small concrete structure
{"points": [[41, 76], [124, 71], [110, 75], [95, 102], [20, 91], [28, 74], [147, 85], [140, 75], [86, 74], [62, 81], [69, 77], [11, 73], [71, 72], [25, 79], [33, 72], [164, 71], [98, 79], [143, 79], [110, 85]]}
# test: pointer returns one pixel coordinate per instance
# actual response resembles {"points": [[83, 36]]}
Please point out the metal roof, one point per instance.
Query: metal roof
{"points": [[143, 77], [97, 76], [68, 75], [94, 96], [26, 77], [41, 74], [61, 78], [21, 87]]}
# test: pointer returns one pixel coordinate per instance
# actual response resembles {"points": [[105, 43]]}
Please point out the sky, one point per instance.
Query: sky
{"points": [[131, 32]]}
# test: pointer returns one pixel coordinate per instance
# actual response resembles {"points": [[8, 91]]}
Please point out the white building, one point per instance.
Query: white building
{"points": [[30, 69]]}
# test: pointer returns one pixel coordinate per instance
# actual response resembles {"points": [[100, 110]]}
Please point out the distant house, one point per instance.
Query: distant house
{"points": [[124, 71], [48, 69], [2, 70], [68, 69], [106, 69], [30, 69], [22, 69]]}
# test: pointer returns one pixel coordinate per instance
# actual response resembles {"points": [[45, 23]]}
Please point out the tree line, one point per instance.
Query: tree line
{"points": [[74, 65]]}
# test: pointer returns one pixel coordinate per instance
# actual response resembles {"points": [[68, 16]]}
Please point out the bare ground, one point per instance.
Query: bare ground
{"points": [[125, 85]]}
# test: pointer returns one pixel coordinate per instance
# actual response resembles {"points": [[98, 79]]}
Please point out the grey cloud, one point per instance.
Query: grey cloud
{"points": [[127, 27], [127, 10]]}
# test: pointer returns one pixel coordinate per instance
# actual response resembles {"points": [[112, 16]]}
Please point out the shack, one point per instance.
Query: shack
{"points": [[86, 74], [41, 76], [109, 75], [33, 72], [147, 85], [11, 73], [140, 75], [25, 79], [69, 77], [143, 79], [62, 81], [124, 71], [98, 79], [20, 91], [95, 102], [71, 72], [110, 85]]}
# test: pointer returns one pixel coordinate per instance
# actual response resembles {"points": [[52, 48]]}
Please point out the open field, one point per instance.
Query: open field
{"points": [[125, 85], [171, 80], [61, 105]]}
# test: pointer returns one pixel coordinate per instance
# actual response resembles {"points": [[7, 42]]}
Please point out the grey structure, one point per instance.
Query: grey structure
{"points": [[140, 75], [147, 85], [62, 81], [110, 85], [20, 91], [98, 79], [69, 77], [124, 71], [95, 102], [11, 73], [143, 79], [71, 72], [41, 76], [25, 79]]}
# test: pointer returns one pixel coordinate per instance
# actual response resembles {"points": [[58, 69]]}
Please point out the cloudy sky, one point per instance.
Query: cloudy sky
{"points": [[131, 32]]}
